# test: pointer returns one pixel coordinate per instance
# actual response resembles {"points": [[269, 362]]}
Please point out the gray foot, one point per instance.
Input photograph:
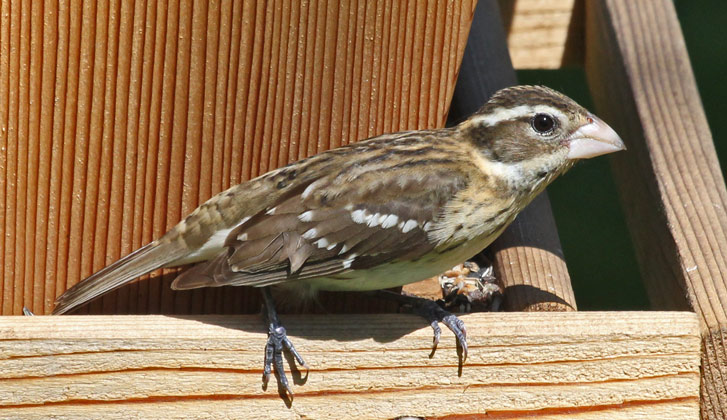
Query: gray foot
{"points": [[278, 342]]}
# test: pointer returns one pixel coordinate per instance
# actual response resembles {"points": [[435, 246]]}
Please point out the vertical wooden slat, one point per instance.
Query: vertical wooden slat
{"points": [[271, 69], [124, 158], [261, 68], [4, 93], [298, 81], [279, 156], [41, 127], [344, 72], [193, 133], [212, 28], [33, 166], [58, 266], [179, 120], [277, 95], [5, 87], [391, 42], [150, 131], [102, 157], [118, 118], [159, 292], [25, 290], [243, 55], [136, 146], [418, 69], [88, 116], [430, 67], [10, 170], [379, 65], [54, 120]]}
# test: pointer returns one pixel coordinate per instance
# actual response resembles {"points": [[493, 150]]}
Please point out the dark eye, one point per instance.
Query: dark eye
{"points": [[543, 123]]}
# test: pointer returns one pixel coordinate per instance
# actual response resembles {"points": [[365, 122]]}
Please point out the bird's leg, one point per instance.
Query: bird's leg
{"points": [[432, 312], [277, 342]]}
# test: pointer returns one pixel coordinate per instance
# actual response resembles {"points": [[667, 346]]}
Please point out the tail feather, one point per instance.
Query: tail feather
{"points": [[145, 259]]}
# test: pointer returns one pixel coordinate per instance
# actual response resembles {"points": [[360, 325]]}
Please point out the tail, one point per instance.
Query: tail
{"points": [[143, 260]]}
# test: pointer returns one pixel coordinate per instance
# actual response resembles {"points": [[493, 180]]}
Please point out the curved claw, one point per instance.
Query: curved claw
{"points": [[437, 335], [458, 329], [435, 314], [432, 312]]}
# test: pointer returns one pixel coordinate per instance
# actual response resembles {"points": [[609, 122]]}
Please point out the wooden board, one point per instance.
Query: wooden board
{"points": [[119, 118], [544, 34], [670, 180], [591, 365]]}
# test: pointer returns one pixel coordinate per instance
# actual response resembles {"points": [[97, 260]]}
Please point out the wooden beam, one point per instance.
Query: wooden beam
{"points": [[529, 262], [544, 34], [670, 180], [591, 365]]}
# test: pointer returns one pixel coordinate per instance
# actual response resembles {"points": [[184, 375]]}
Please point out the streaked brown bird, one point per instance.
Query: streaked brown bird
{"points": [[380, 213]]}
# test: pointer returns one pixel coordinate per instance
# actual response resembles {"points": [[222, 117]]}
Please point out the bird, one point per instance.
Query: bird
{"points": [[374, 214]]}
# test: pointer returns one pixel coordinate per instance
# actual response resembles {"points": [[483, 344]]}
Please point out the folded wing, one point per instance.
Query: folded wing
{"points": [[332, 227]]}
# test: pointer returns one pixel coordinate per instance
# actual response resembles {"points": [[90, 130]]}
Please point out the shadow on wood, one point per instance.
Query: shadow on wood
{"points": [[589, 365]]}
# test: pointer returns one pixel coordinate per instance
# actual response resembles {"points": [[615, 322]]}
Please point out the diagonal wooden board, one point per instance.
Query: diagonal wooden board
{"points": [[670, 180]]}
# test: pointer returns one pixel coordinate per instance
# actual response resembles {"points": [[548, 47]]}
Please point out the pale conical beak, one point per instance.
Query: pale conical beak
{"points": [[594, 139]]}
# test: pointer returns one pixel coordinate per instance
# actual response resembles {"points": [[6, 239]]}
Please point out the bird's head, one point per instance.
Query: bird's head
{"points": [[530, 134]]}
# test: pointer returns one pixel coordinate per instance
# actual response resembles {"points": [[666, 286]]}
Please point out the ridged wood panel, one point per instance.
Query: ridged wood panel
{"points": [[117, 118]]}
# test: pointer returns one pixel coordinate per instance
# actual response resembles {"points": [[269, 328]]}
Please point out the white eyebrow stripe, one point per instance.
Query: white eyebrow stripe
{"points": [[507, 114]]}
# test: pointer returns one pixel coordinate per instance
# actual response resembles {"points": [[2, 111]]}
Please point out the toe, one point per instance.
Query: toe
{"points": [[437, 335]]}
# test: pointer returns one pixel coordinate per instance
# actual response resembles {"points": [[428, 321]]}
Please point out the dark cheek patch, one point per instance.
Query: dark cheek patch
{"points": [[512, 143]]}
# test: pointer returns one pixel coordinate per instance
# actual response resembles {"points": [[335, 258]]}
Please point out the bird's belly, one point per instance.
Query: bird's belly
{"points": [[399, 273]]}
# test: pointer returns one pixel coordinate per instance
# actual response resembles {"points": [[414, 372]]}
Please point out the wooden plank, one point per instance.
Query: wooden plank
{"points": [[591, 365], [118, 119], [528, 258], [544, 34], [670, 180], [529, 262]]}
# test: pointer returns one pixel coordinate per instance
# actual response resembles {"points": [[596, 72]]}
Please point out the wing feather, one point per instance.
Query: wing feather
{"points": [[329, 229]]}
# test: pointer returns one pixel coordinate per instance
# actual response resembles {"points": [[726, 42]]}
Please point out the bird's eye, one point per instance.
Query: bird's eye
{"points": [[543, 123]]}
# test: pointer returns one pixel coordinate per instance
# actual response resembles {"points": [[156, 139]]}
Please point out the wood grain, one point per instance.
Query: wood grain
{"points": [[544, 34], [529, 262], [670, 179], [118, 118], [589, 365]]}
